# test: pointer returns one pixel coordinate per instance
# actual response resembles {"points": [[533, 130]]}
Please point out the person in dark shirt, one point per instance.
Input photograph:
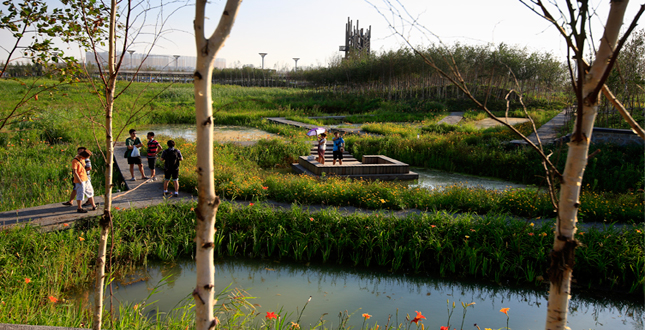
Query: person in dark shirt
{"points": [[171, 158]]}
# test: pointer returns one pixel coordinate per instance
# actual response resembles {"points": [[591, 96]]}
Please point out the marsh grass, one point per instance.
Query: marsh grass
{"points": [[248, 173], [37, 172], [486, 153], [494, 248]]}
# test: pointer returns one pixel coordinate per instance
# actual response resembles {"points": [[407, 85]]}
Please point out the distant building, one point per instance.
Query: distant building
{"points": [[153, 62]]}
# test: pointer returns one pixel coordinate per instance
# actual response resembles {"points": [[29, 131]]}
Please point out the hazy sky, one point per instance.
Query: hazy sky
{"points": [[314, 29]]}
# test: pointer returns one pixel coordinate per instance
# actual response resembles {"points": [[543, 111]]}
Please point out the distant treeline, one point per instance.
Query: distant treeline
{"points": [[486, 70]]}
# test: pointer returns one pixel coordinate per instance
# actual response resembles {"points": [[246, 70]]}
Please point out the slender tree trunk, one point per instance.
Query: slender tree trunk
{"points": [[208, 202], [562, 256], [106, 218]]}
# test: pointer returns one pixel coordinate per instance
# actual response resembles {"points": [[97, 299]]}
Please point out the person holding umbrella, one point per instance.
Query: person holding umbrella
{"points": [[322, 147], [322, 142]]}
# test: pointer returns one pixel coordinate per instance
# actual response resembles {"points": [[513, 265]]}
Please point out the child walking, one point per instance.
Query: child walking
{"points": [[154, 148], [322, 147]]}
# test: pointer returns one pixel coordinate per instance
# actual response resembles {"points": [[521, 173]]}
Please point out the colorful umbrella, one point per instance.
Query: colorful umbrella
{"points": [[315, 131]]}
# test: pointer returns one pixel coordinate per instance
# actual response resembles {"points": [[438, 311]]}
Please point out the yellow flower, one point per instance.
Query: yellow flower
{"points": [[81, 239]]}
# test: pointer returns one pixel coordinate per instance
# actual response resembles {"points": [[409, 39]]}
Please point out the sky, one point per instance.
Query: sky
{"points": [[313, 30]]}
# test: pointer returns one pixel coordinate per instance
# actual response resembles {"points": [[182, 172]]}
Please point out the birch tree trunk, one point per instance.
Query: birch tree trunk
{"points": [[106, 218], [562, 256], [208, 202]]}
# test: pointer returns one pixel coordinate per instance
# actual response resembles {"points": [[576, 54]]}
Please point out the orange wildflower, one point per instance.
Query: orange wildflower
{"points": [[27, 280], [418, 318], [366, 316], [504, 310], [53, 299], [271, 315]]}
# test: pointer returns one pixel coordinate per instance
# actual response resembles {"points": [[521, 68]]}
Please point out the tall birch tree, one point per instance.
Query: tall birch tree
{"points": [[121, 17], [587, 81], [208, 201]]}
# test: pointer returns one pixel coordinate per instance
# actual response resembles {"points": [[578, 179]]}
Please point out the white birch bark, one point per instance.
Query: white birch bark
{"points": [[208, 202], [564, 245], [106, 219]]}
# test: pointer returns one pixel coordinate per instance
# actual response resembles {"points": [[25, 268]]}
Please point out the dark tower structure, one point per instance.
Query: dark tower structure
{"points": [[357, 41]]}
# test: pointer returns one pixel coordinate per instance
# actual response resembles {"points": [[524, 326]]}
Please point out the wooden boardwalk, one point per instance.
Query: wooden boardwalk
{"points": [[548, 132], [284, 121], [56, 216]]}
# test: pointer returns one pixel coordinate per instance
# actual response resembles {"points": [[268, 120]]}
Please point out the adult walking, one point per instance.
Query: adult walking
{"points": [[82, 182], [133, 143], [171, 158], [88, 168]]}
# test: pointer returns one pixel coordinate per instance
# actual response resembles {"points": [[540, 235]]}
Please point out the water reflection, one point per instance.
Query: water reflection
{"points": [[435, 179], [220, 133], [334, 289]]}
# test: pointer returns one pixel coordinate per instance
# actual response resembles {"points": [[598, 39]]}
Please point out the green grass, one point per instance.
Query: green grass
{"points": [[36, 172]]}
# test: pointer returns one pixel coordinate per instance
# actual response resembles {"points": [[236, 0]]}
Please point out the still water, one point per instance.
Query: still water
{"points": [[220, 133], [435, 179], [334, 289]]}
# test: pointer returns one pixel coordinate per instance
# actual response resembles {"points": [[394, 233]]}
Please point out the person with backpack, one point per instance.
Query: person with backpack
{"points": [[171, 158]]}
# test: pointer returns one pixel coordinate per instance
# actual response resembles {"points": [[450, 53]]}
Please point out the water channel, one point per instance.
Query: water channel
{"points": [[334, 289], [220, 133]]}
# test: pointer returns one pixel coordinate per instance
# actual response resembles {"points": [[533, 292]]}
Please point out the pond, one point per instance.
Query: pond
{"points": [[435, 179], [334, 289], [220, 133]]}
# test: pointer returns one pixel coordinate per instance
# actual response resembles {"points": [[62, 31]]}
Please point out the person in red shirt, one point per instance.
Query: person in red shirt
{"points": [[154, 148]]}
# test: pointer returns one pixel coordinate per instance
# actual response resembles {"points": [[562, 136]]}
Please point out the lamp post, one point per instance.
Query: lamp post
{"points": [[131, 52], [263, 55], [176, 61], [296, 59]]}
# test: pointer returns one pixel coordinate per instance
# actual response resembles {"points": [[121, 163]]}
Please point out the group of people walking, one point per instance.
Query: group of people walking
{"points": [[82, 166], [171, 157]]}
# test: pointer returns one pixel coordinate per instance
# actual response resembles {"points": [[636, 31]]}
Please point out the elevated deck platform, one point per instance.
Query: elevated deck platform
{"points": [[371, 167]]}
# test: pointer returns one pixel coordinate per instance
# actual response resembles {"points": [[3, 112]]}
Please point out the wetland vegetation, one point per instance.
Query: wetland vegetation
{"points": [[485, 239]]}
